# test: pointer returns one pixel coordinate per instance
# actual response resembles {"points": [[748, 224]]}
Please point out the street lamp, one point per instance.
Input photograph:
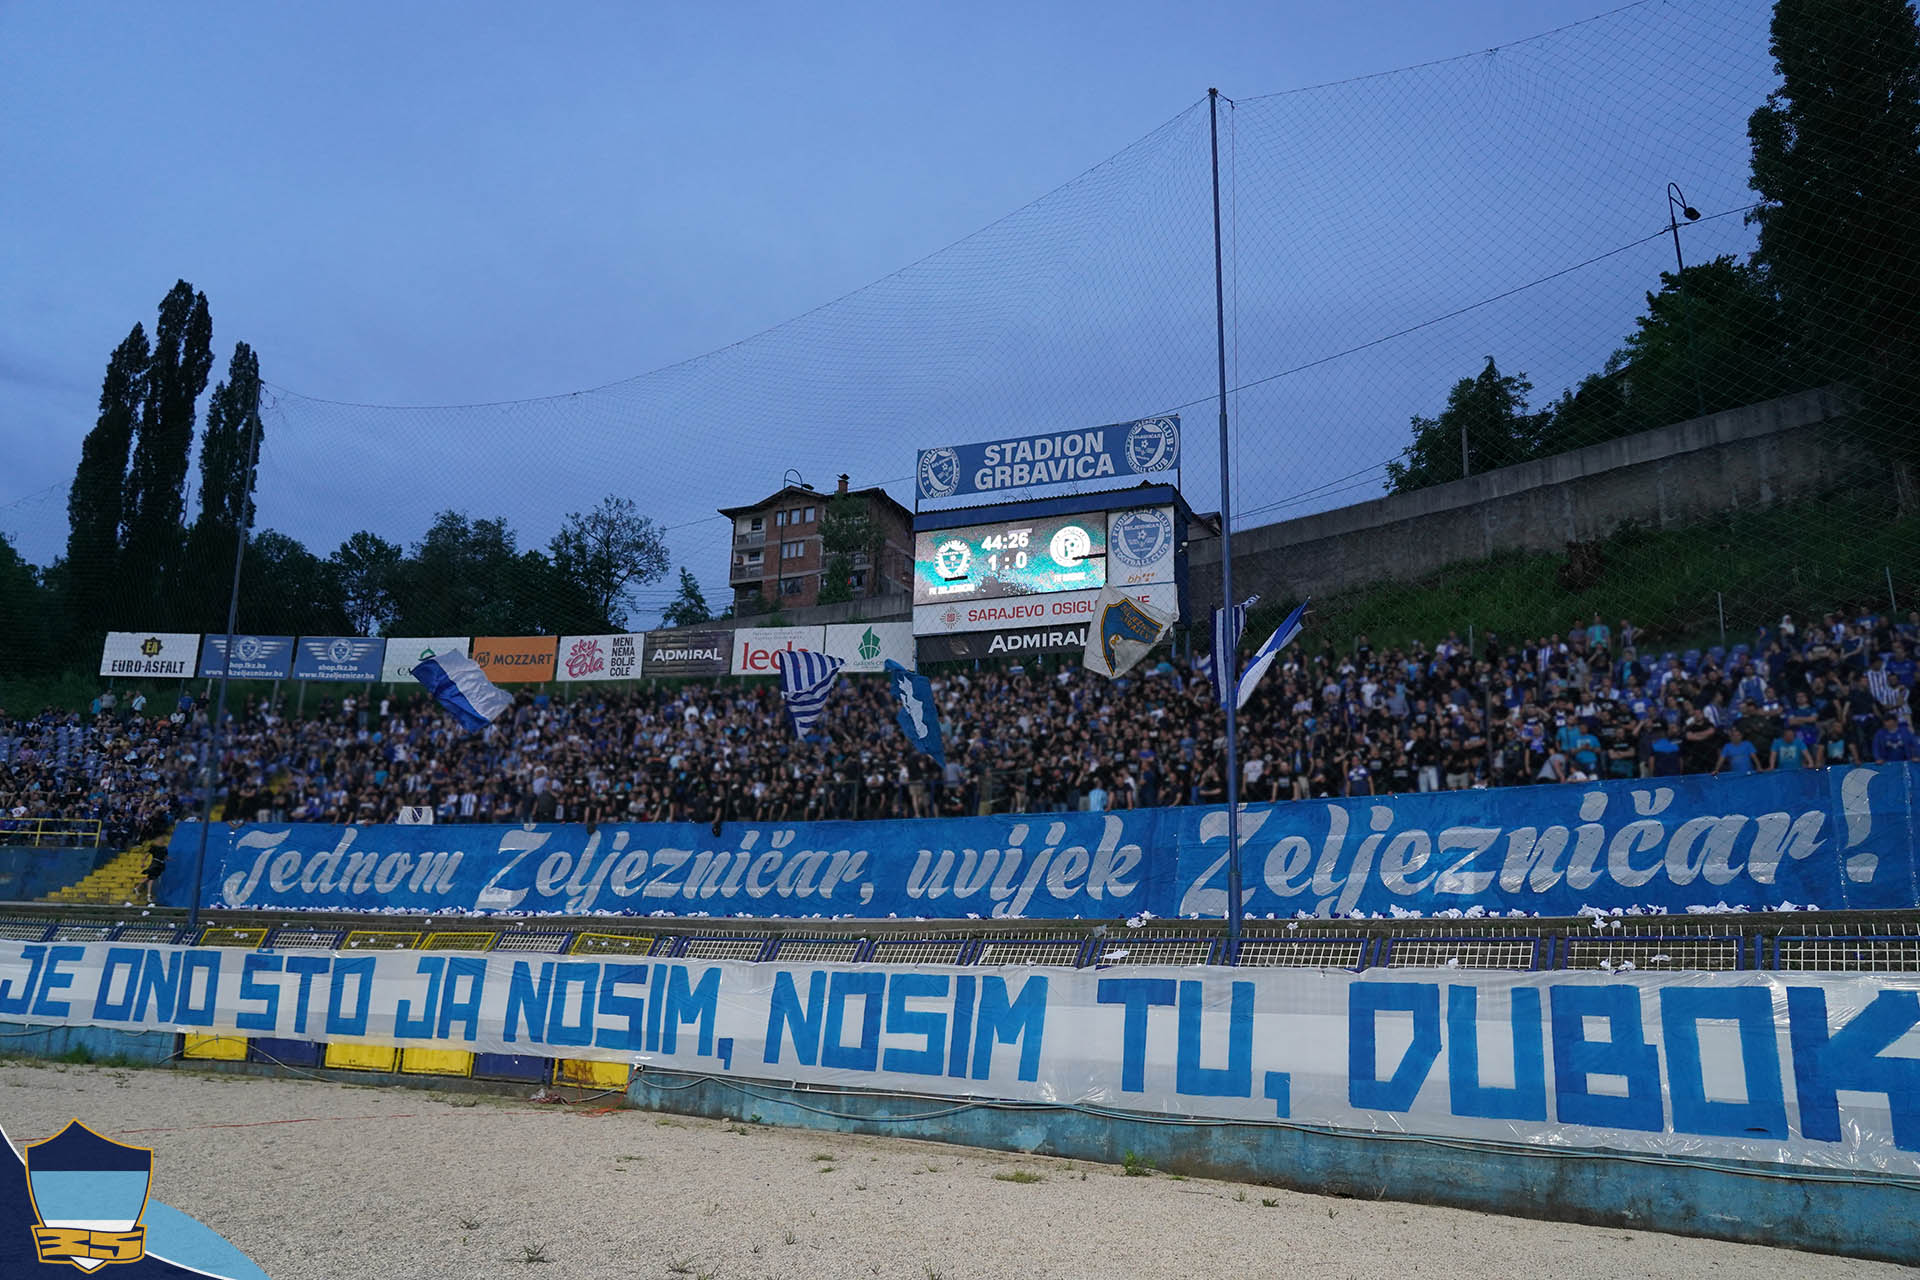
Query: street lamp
{"points": [[1677, 208]]}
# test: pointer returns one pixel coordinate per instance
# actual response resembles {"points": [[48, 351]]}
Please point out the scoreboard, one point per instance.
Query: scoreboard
{"points": [[1029, 557]]}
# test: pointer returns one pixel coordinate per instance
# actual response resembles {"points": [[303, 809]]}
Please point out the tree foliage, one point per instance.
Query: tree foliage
{"points": [[848, 532], [151, 536], [1485, 424], [367, 571], [1836, 161], [96, 500], [603, 555], [229, 456], [689, 606]]}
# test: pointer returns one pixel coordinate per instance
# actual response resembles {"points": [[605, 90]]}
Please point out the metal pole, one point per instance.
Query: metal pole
{"points": [[1465, 468], [1234, 909], [1686, 295], [1893, 602], [1720, 601], [211, 768]]}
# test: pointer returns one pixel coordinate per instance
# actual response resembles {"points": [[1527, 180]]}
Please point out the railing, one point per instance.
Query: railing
{"points": [[750, 539], [40, 832]]}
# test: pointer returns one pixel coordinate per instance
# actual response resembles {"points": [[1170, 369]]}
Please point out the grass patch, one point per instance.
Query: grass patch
{"points": [[1025, 1177], [1135, 1165]]}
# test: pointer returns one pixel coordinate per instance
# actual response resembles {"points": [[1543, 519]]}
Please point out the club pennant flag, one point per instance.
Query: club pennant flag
{"points": [[1279, 640], [806, 678], [914, 693], [1227, 631], [1122, 632], [458, 684]]}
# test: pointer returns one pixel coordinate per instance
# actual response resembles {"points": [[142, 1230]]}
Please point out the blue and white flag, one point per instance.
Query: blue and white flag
{"points": [[1122, 632], [458, 684], [914, 693], [806, 678], [1226, 639], [1279, 640]]}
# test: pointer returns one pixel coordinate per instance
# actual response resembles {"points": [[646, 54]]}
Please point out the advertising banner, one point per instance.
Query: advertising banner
{"points": [[966, 645], [1776, 1068], [1070, 608], [515, 659], [338, 658], [166, 654], [404, 653], [754, 647], [688, 653], [1118, 451], [608, 657], [254, 657], [866, 646], [1141, 546], [1836, 839]]}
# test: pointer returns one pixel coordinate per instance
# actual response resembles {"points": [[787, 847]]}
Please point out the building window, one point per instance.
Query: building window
{"points": [[756, 524], [780, 517], [808, 518], [753, 557], [857, 580], [792, 550], [792, 586]]}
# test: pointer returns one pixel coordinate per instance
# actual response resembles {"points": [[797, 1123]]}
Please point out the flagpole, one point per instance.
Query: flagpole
{"points": [[1232, 657]]}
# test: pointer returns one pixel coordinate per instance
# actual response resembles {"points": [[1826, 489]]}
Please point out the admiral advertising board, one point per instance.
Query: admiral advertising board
{"points": [[515, 659], [688, 653], [606, 657], [1144, 447], [167, 655], [1068, 609], [966, 645], [253, 657], [404, 653], [354, 658]]}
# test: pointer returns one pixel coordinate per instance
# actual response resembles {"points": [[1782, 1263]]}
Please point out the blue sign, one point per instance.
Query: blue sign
{"points": [[338, 658], [253, 657], [1117, 451], [1834, 839]]}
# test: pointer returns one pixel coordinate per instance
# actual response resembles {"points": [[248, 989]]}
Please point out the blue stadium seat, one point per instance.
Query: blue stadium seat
{"points": [[1718, 654], [1691, 660]]}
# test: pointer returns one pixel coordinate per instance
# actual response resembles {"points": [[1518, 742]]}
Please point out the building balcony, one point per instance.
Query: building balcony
{"points": [[750, 539]]}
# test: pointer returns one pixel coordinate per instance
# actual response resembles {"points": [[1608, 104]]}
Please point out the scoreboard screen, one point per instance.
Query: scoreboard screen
{"points": [[1015, 558]]}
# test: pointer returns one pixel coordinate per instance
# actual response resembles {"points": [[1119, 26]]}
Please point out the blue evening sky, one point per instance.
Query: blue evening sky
{"points": [[419, 204]]}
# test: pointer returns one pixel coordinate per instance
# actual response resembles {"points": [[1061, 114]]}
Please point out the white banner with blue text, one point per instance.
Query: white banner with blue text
{"points": [[1780, 1068]]}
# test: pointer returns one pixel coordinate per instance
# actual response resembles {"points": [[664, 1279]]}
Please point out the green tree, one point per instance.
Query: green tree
{"points": [[850, 540], [1713, 338], [1836, 161], [367, 568], [95, 501], [28, 644], [285, 589], [151, 538], [689, 607], [1486, 420], [229, 465], [469, 577], [604, 554]]}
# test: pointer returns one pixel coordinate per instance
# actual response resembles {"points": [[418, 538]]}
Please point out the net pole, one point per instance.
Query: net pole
{"points": [[1232, 655], [212, 767]]}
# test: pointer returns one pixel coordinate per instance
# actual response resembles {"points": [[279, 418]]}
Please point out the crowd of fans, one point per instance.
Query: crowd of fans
{"points": [[1588, 703]]}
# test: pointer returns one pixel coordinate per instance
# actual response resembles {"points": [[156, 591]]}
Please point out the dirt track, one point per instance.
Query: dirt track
{"points": [[294, 1173]]}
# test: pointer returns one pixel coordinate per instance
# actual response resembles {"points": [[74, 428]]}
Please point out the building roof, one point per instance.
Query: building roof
{"points": [[809, 493]]}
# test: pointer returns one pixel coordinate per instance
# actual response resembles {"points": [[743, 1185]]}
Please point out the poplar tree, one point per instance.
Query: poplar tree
{"points": [[95, 502], [151, 534]]}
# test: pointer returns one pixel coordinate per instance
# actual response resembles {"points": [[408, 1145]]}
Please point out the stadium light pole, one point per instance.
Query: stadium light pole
{"points": [[1677, 205], [1231, 685], [212, 767]]}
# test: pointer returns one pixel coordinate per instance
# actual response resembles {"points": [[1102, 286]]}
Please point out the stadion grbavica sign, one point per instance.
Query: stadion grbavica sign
{"points": [[1147, 446]]}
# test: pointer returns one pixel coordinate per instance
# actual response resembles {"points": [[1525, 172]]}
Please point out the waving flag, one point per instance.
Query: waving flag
{"points": [[458, 684], [1279, 640], [1226, 639], [806, 678], [914, 693], [1121, 633]]}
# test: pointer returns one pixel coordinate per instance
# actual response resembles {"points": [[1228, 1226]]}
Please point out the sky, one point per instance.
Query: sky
{"points": [[460, 205]]}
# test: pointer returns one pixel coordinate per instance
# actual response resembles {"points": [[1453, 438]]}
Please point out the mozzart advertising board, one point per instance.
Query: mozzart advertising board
{"points": [[147, 654], [1145, 447], [1773, 1068], [1832, 839], [515, 659]]}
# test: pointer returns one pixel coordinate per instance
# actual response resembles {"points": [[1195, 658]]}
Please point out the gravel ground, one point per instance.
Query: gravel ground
{"points": [[296, 1174]]}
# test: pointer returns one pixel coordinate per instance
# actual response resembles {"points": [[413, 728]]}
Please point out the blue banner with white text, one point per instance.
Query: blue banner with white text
{"points": [[1831, 839]]}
